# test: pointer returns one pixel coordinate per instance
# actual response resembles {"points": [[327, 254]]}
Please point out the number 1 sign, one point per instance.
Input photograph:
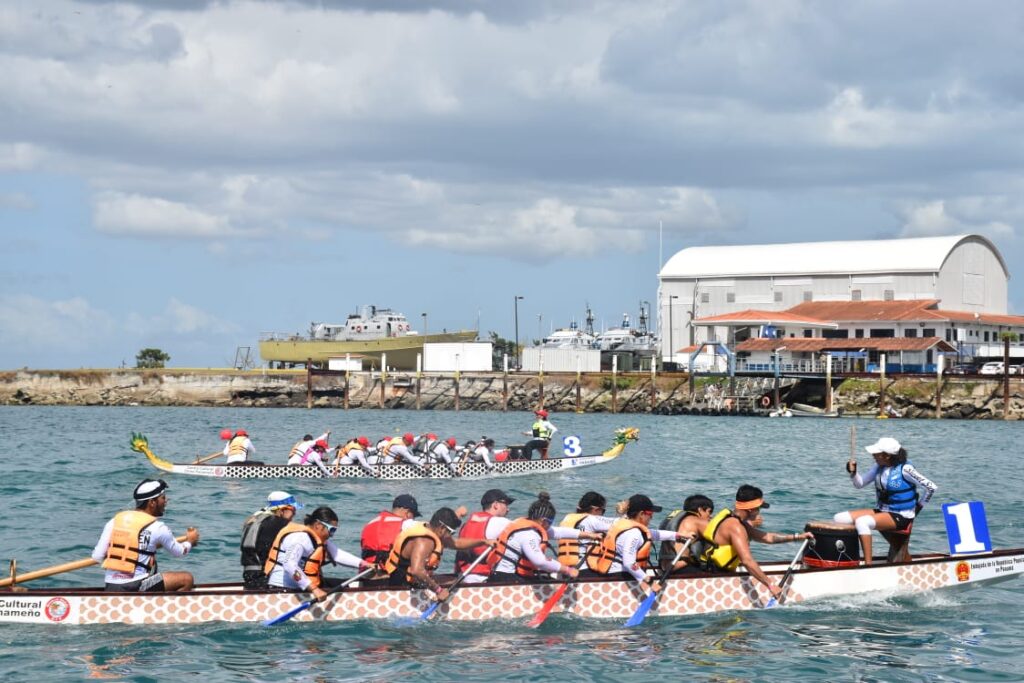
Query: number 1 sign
{"points": [[966, 528]]}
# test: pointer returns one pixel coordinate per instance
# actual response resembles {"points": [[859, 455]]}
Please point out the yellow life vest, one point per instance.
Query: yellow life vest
{"points": [[601, 555], [352, 445], [311, 565], [295, 449], [569, 548], [541, 430], [124, 553], [719, 556], [396, 562], [524, 567], [396, 441], [237, 446]]}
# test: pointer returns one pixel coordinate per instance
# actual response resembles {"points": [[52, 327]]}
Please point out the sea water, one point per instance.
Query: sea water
{"points": [[67, 470]]}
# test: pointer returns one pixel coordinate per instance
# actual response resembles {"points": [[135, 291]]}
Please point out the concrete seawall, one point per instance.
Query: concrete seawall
{"points": [[965, 398]]}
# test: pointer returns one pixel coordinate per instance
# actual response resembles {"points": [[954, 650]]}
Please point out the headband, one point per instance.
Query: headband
{"points": [[749, 504]]}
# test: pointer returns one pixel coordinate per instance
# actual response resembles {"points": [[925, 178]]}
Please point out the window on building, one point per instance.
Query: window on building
{"points": [[889, 295], [928, 332], [808, 333], [858, 333], [949, 334], [705, 297], [778, 297], [835, 334], [910, 333], [730, 297], [808, 296], [855, 295], [882, 332]]}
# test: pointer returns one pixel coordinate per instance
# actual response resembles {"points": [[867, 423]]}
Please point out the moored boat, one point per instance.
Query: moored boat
{"points": [[589, 598], [464, 470]]}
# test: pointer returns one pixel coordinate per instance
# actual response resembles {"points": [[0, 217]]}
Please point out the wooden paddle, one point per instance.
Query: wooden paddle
{"points": [[539, 618], [58, 569], [309, 603], [641, 612], [788, 576], [211, 456]]}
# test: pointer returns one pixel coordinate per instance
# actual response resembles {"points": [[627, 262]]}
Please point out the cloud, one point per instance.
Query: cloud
{"points": [[138, 216], [951, 217], [28, 322], [16, 200]]}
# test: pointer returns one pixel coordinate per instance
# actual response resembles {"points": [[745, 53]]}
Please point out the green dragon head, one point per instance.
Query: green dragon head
{"points": [[139, 443], [624, 435]]}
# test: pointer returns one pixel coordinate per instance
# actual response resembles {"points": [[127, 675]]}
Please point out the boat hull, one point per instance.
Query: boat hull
{"points": [[598, 598], [401, 351]]}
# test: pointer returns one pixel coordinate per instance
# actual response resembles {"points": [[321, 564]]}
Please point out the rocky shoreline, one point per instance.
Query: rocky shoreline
{"points": [[962, 398]]}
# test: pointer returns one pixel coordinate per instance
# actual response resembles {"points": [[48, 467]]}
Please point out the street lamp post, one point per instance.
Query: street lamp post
{"points": [[424, 324], [671, 345], [516, 314], [540, 326]]}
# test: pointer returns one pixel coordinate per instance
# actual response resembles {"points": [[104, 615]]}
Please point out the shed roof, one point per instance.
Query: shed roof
{"points": [[755, 317], [912, 255], [884, 344]]}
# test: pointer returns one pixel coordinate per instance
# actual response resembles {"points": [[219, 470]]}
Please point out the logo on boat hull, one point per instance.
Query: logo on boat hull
{"points": [[963, 571], [57, 609]]}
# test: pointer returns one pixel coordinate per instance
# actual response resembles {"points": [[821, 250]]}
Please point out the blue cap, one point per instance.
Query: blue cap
{"points": [[280, 499]]}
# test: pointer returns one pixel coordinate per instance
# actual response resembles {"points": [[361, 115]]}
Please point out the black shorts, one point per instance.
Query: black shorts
{"points": [[147, 584], [254, 580], [902, 523]]}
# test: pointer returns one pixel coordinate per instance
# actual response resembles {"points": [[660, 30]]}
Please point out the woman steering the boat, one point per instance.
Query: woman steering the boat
{"points": [[900, 489]]}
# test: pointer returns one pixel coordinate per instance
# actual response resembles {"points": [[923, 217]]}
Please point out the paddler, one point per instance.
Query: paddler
{"points": [[589, 516], [690, 521], [313, 455], [259, 532], [625, 550], [416, 552], [521, 545], [380, 532], [397, 449], [296, 558], [354, 452], [303, 446], [487, 523], [127, 547], [729, 533], [541, 431], [901, 491], [239, 449]]}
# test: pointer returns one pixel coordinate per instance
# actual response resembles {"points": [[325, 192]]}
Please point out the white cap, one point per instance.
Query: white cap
{"points": [[886, 444], [280, 499], [149, 489]]}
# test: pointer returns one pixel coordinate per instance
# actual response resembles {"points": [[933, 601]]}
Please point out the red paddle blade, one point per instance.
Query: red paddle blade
{"points": [[539, 618]]}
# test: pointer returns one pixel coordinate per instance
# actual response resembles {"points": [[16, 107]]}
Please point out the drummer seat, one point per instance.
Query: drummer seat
{"points": [[899, 544]]}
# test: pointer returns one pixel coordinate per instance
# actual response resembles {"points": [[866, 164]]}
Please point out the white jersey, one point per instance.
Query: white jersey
{"points": [[249, 451], [528, 543], [295, 548], [156, 535], [628, 543]]}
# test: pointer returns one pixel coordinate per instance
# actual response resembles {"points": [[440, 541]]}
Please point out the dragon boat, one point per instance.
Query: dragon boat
{"points": [[598, 598], [508, 467]]}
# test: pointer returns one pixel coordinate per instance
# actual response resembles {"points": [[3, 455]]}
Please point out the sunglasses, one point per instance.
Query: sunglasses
{"points": [[331, 528]]}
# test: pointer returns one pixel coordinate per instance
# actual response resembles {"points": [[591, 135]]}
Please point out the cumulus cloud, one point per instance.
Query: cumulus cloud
{"points": [[179, 318], [28, 322], [16, 200], [950, 217], [138, 216]]}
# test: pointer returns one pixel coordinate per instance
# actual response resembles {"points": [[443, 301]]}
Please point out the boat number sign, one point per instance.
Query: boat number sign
{"points": [[966, 528], [571, 447]]}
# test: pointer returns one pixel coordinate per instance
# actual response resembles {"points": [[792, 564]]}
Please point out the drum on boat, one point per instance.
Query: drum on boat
{"points": [[835, 545]]}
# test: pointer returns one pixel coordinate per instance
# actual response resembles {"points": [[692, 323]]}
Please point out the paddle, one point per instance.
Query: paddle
{"points": [[641, 612], [788, 576], [427, 613], [539, 618], [309, 603], [58, 569], [200, 461]]}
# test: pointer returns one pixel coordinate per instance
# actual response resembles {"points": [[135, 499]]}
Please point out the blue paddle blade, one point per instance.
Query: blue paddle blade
{"points": [[430, 610], [289, 614], [771, 603], [641, 612]]}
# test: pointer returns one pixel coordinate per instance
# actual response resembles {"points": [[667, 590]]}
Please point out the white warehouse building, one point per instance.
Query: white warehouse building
{"points": [[966, 273]]}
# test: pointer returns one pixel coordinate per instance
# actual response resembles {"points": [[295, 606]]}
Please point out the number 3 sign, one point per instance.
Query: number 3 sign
{"points": [[966, 528], [571, 447]]}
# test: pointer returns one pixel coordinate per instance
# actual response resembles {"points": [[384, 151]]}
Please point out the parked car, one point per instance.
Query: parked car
{"points": [[993, 368], [1017, 369], [963, 369]]}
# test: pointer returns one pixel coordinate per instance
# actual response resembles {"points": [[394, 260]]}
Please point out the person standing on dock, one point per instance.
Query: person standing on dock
{"points": [[542, 431], [127, 547], [240, 449]]}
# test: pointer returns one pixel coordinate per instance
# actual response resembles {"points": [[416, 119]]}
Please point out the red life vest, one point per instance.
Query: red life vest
{"points": [[476, 528], [379, 534]]}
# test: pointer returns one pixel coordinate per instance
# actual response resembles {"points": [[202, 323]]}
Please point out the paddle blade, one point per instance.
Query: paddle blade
{"points": [[427, 613], [771, 603], [539, 618], [641, 612], [288, 615]]}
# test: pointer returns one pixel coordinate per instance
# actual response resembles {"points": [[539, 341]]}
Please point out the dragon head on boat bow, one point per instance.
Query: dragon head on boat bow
{"points": [[624, 435], [140, 444]]}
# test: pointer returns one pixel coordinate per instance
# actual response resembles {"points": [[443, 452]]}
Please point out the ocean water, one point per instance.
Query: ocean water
{"points": [[69, 469]]}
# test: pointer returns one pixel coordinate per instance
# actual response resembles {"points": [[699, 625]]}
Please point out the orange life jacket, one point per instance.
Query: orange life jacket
{"points": [[237, 446], [601, 555], [569, 548], [124, 553], [524, 567], [476, 528], [311, 565], [379, 534], [397, 563]]}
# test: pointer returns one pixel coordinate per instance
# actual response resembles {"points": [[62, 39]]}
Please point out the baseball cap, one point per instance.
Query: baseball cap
{"points": [[886, 444], [641, 503], [149, 489], [408, 502], [495, 495], [280, 499]]}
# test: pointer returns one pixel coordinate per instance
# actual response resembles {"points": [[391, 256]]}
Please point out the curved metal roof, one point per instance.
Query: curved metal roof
{"points": [[913, 255]]}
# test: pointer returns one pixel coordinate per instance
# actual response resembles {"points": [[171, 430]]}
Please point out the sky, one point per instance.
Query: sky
{"points": [[190, 174]]}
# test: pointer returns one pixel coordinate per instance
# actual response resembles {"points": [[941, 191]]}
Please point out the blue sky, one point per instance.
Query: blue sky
{"points": [[189, 175]]}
